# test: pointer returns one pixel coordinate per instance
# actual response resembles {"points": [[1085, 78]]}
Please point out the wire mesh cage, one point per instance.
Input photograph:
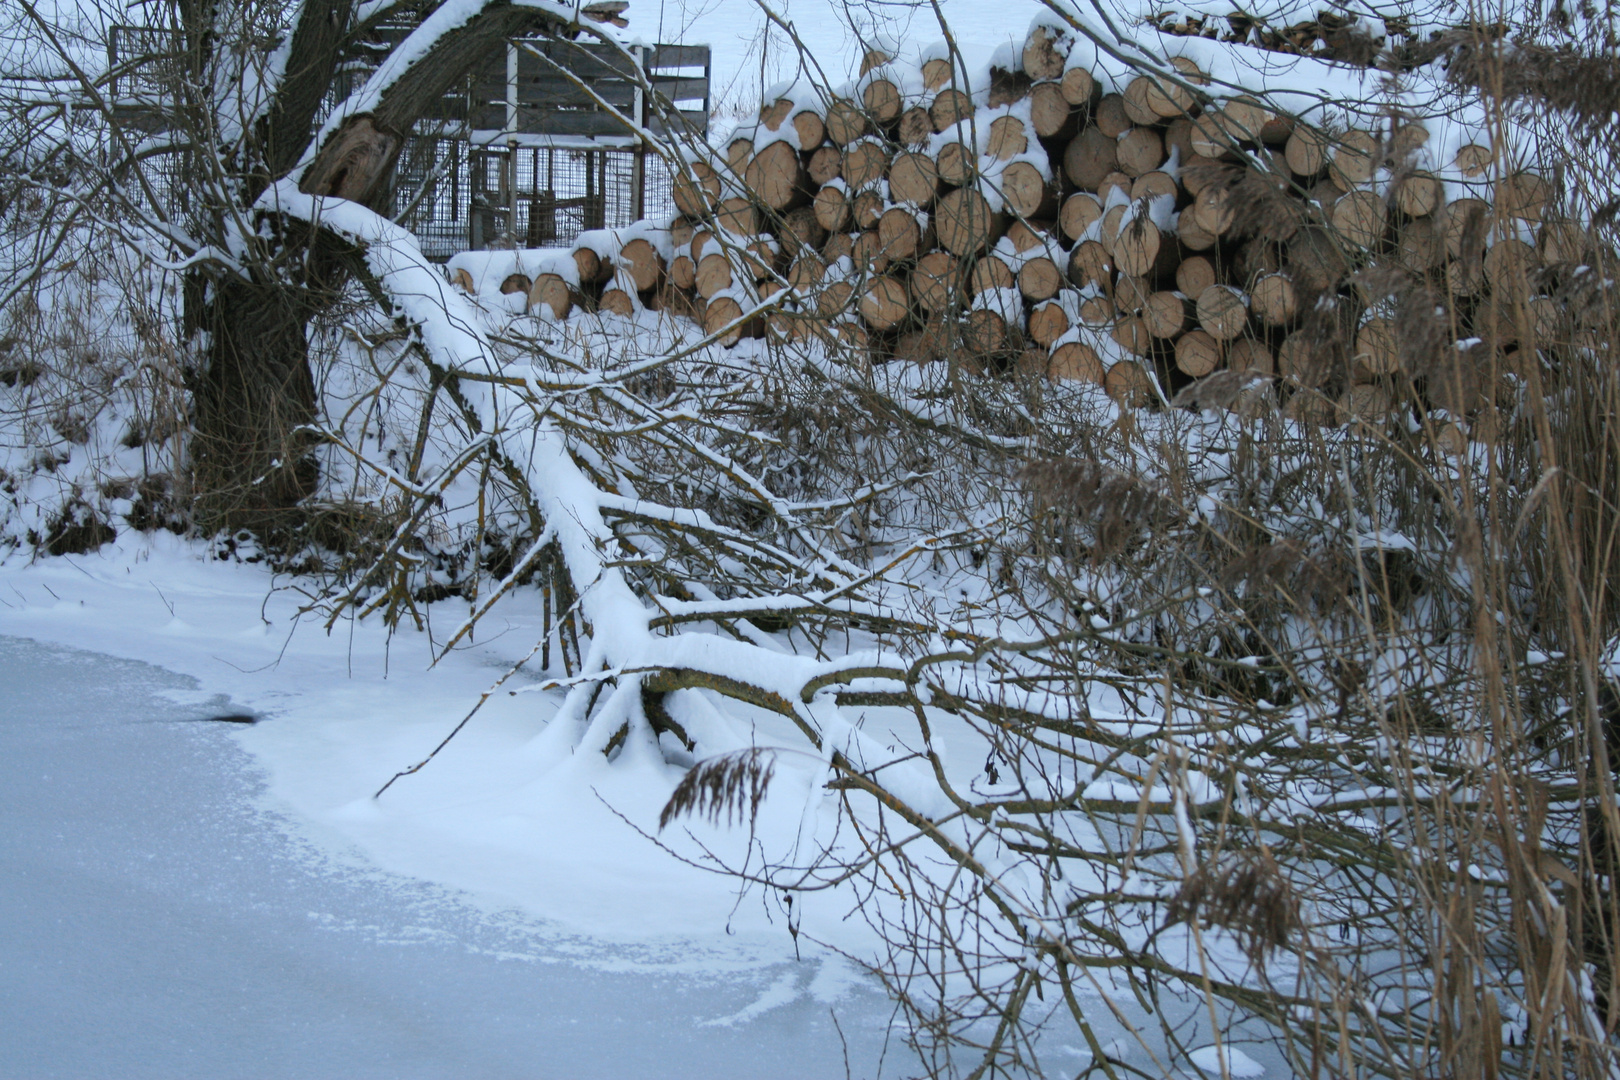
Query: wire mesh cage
{"points": [[454, 194]]}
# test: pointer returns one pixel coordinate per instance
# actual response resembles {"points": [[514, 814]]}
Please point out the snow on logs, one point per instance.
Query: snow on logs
{"points": [[1135, 232]]}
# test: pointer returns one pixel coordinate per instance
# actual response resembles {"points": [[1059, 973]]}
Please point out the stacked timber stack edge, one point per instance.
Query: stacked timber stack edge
{"points": [[1138, 239]]}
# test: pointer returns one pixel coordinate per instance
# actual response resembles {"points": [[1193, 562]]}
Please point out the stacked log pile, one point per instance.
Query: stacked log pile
{"points": [[1140, 239]]}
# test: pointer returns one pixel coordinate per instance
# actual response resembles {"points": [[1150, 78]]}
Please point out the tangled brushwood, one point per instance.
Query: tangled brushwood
{"points": [[1169, 598]]}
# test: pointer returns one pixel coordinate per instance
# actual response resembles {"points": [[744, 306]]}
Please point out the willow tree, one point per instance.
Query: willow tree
{"points": [[176, 140]]}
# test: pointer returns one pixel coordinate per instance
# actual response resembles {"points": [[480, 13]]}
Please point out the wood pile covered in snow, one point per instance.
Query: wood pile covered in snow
{"points": [[1066, 217]]}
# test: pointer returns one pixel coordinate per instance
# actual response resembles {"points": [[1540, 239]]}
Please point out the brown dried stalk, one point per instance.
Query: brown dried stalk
{"points": [[725, 786]]}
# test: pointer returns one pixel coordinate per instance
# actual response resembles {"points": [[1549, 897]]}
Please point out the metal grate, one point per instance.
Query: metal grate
{"points": [[455, 195]]}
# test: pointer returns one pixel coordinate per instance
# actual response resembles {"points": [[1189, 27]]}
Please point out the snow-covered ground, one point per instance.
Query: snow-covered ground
{"points": [[189, 897]]}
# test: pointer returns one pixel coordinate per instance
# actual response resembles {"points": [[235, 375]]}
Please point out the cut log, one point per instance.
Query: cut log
{"points": [[1474, 160], [1130, 333], [1376, 352], [1040, 279], [1418, 194], [1050, 114], [1244, 119], [1140, 151], [739, 152], [933, 282], [1367, 403], [1026, 235], [618, 300], [1523, 195], [1109, 116], [965, 223], [1167, 98], [1131, 292], [1422, 244], [1079, 88], [899, 235], [865, 163], [834, 299], [1089, 265], [936, 73], [1301, 363], [1079, 211], [516, 283], [865, 209], [1195, 274], [1129, 385], [990, 272], [1153, 184], [1178, 138], [552, 292], [810, 128], [592, 270], [1008, 138], [916, 127], [875, 57], [1508, 265], [1026, 192], [1193, 236], [1316, 262], [845, 122], [950, 107], [1223, 312], [1006, 87], [955, 164], [806, 273], [723, 311], [696, 189], [1467, 225], [986, 334], [1136, 249], [801, 230], [776, 177], [1135, 102], [838, 246], [1197, 353], [761, 259], [1353, 158], [883, 102], [714, 275], [1048, 322], [825, 165], [1089, 157], [1213, 211], [1110, 182], [1097, 312], [832, 209], [643, 263], [922, 345], [738, 216], [774, 115], [1273, 299], [1042, 58], [1251, 355], [1075, 361], [1361, 218], [1562, 243], [867, 253], [914, 179], [1306, 151], [682, 271], [884, 303], [1210, 138], [1167, 314]]}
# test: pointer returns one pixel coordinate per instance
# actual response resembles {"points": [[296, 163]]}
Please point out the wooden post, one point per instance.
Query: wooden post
{"points": [[638, 164]]}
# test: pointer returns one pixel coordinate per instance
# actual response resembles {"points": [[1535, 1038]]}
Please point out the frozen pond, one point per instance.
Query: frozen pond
{"points": [[156, 921]]}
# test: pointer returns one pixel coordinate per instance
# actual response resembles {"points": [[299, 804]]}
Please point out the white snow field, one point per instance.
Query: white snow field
{"points": [[185, 897]]}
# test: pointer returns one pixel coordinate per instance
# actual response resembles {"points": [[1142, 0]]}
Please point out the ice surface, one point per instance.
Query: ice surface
{"points": [[157, 920]]}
